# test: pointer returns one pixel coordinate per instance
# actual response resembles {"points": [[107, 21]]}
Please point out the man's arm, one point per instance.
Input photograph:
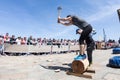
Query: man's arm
{"points": [[65, 23], [63, 19]]}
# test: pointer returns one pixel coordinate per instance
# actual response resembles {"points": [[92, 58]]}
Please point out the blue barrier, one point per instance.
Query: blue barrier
{"points": [[116, 50], [114, 61]]}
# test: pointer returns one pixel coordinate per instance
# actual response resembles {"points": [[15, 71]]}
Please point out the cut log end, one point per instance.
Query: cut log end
{"points": [[80, 66]]}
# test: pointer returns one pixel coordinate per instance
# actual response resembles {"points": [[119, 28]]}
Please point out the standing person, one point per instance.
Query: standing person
{"points": [[18, 41], [7, 38], [13, 40], [1, 45], [85, 30]]}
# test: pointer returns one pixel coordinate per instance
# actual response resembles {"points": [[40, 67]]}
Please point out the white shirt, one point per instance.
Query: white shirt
{"points": [[18, 41]]}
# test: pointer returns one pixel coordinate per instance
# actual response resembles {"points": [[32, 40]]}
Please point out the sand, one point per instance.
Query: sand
{"points": [[54, 67]]}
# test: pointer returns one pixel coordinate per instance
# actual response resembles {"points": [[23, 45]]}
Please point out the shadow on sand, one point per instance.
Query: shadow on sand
{"points": [[58, 67], [112, 66]]}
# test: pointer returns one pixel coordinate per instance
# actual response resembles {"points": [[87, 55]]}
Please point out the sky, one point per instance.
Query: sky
{"points": [[39, 18]]}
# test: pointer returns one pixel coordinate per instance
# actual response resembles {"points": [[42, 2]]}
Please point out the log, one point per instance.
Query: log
{"points": [[80, 66]]}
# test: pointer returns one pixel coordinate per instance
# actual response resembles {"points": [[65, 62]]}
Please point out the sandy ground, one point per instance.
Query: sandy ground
{"points": [[36, 67]]}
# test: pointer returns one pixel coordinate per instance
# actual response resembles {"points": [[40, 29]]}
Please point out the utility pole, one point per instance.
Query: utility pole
{"points": [[104, 35], [104, 38], [118, 11]]}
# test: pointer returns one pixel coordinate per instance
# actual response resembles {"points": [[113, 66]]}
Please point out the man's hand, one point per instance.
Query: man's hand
{"points": [[79, 31], [58, 19]]}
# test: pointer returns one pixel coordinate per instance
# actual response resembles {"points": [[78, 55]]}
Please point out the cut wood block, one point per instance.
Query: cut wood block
{"points": [[57, 70], [80, 66]]}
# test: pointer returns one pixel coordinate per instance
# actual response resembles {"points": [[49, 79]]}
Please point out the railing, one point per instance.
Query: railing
{"points": [[31, 49]]}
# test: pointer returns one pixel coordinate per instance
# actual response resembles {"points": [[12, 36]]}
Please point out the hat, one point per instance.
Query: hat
{"points": [[69, 16]]}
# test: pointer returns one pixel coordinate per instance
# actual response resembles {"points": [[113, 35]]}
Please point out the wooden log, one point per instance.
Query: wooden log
{"points": [[80, 66]]}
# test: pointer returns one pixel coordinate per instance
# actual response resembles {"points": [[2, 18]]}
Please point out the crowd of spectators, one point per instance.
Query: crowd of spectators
{"points": [[44, 41], [34, 41]]}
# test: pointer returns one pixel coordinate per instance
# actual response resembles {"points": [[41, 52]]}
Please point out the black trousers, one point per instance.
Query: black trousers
{"points": [[85, 34], [90, 48]]}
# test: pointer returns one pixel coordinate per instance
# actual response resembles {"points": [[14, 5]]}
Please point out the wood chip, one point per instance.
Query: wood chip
{"points": [[57, 70]]}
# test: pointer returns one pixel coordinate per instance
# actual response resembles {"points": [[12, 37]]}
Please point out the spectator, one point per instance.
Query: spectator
{"points": [[1, 44], [7, 38], [23, 41], [18, 41], [119, 41], [49, 42], [61, 41], [39, 40], [34, 42], [44, 41], [65, 42], [13, 40], [29, 41], [58, 43], [53, 41]]}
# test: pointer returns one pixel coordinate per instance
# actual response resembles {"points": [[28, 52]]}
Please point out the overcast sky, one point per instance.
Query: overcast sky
{"points": [[39, 17]]}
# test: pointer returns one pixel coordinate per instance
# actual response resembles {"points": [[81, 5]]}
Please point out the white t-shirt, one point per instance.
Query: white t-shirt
{"points": [[18, 41]]}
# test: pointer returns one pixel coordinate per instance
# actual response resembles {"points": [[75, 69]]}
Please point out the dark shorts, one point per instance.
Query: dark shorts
{"points": [[85, 35]]}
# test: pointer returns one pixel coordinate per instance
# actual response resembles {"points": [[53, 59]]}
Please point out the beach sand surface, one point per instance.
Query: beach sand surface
{"points": [[54, 67]]}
